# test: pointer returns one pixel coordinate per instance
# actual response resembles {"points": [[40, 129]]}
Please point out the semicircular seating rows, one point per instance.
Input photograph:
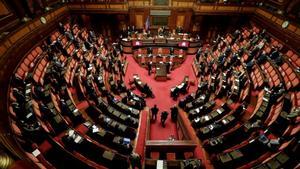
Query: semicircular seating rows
{"points": [[245, 111], [69, 106]]}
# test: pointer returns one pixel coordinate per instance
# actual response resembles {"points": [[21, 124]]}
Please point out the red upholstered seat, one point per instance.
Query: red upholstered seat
{"points": [[295, 83], [39, 50], [292, 76], [20, 72], [11, 111], [24, 67], [289, 53], [30, 57], [16, 129]]}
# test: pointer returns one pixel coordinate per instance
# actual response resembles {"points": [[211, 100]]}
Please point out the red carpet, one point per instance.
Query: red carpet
{"points": [[141, 138], [161, 91]]}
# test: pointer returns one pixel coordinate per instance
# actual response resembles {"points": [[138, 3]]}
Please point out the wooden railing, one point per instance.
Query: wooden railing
{"points": [[179, 147]]}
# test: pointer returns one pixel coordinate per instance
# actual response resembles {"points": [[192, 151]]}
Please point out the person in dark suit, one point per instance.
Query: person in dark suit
{"points": [[174, 113], [19, 95], [147, 91], [154, 111], [168, 66], [163, 118], [135, 160], [149, 68], [149, 50], [171, 51]]}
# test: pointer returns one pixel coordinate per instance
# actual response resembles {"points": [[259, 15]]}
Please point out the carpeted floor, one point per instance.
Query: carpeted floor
{"points": [[140, 141], [161, 91]]}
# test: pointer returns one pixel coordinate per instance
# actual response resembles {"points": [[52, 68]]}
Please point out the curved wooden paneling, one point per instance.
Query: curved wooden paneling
{"points": [[289, 35]]}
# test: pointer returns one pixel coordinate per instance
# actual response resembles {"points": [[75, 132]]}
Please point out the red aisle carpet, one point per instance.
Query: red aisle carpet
{"points": [[140, 144], [161, 91]]}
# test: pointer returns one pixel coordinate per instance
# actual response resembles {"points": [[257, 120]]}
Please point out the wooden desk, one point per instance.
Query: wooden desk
{"points": [[189, 45]]}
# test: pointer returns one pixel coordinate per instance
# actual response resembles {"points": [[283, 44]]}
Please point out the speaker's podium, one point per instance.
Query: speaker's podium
{"points": [[161, 72]]}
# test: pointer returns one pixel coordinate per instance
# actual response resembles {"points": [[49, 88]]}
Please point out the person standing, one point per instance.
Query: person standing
{"points": [[168, 65], [163, 118], [149, 68], [135, 160], [154, 111], [174, 113]]}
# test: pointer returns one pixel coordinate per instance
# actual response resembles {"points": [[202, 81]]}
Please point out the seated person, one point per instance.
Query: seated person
{"points": [[147, 91], [149, 50], [160, 31], [171, 51], [175, 93]]}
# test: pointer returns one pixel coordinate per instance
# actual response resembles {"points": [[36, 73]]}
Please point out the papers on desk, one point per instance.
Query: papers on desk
{"points": [[197, 120], [219, 111], [27, 91], [76, 112], [87, 123], [95, 129], [107, 120], [211, 126], [206, 118], [36, 152], [71, 132], [225, 121], [77, 139], [202, 97], [28, 115], [265, 99], [108, 155]]}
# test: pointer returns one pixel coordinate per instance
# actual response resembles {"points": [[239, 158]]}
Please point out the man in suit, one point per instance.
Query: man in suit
{"points": [[174, 113], [154, 111], [135, 160], [149, 68], [163, 118], [171, 51], [149, 50], [147, 91]]}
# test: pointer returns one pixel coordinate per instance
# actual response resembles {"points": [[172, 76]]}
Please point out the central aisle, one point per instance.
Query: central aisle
{"points": [[161, 91]]}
